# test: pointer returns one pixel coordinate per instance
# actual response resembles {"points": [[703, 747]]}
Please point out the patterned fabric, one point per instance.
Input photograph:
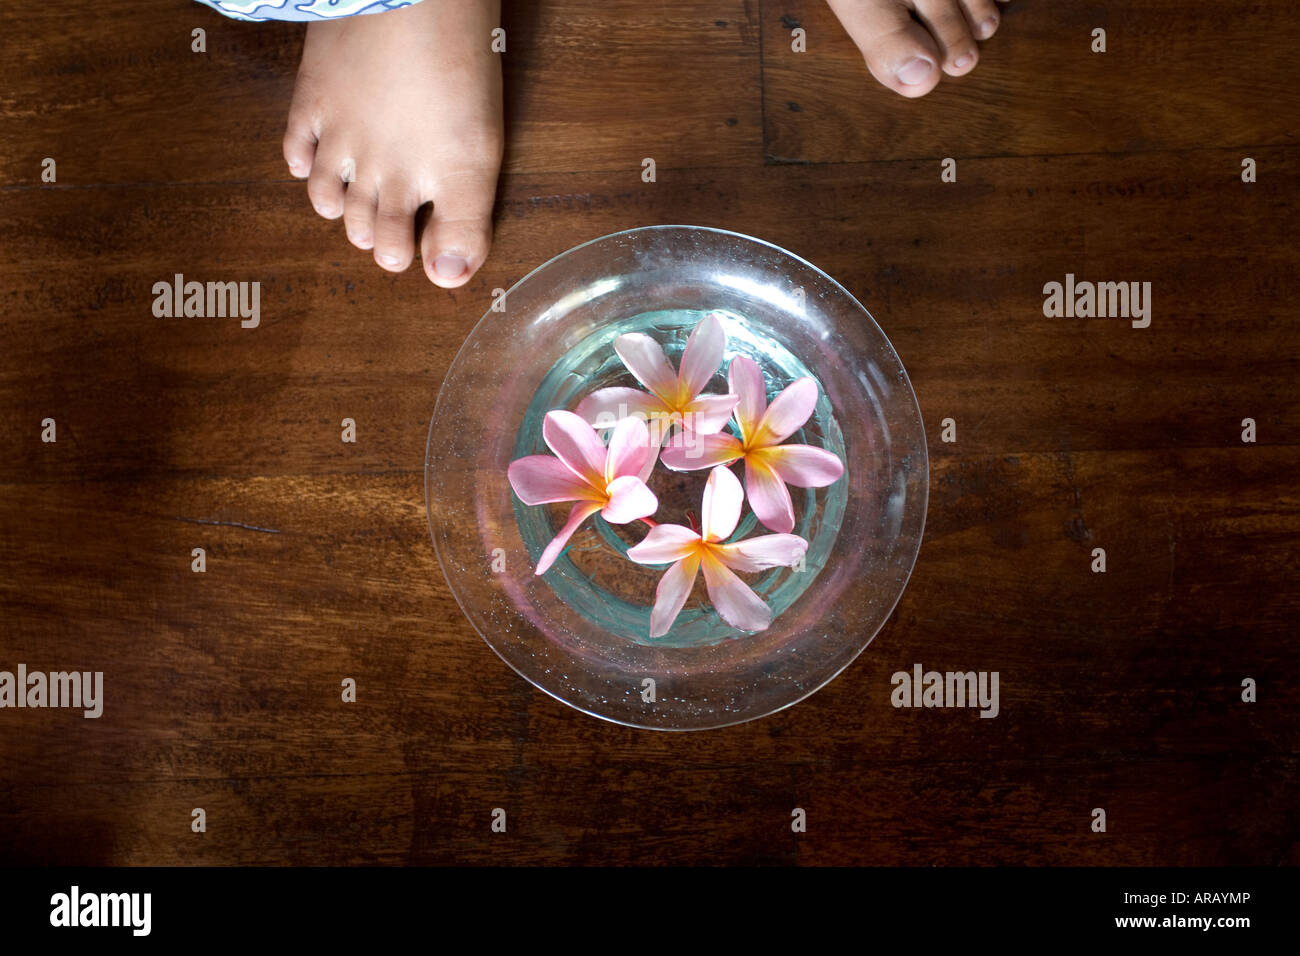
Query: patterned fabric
{"points": [[302, 10]]}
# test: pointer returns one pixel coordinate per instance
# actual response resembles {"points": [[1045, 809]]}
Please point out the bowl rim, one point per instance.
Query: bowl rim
{"points": [[924, 447]]}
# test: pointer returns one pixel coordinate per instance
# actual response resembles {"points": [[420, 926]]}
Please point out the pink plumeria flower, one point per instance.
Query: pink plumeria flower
{"points": [[609, 480], [734, 600], [769, 465], [673, 396]]}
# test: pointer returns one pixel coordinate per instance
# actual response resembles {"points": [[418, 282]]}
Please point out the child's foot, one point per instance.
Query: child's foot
{"points": [[395, 110], [907, 42]]}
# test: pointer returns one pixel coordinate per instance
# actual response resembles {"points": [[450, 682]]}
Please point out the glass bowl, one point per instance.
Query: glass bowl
{"points": [[580, 631]]}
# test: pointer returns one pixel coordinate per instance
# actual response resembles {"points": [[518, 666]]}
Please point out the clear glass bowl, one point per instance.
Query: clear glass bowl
{"points": [[579, 632]]}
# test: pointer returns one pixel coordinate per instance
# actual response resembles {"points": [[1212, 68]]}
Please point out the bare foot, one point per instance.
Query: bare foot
{"points": [[394, 110], [907, 42]]}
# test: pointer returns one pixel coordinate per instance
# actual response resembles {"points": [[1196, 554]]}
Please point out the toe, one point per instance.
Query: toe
{"points": [[458, 234], [395, 229], [951, 31], [900, 53], [359, 214], [325, 185], [299, 137], [982, 17], [299, 147]]}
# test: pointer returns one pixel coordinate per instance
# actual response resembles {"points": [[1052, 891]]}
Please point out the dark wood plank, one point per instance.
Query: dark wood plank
{"points": [[1119, 690], [970, 814], [956, 285], [112, 91], [237, 701], [1174, 76]]}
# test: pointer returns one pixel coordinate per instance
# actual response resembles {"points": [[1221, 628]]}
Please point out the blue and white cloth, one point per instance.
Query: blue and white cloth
{"points": [[303, 11]]}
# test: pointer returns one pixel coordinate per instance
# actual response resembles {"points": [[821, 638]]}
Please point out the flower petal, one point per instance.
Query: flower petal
{"points": [[673, 590], [651, 458], [644, 358], [803, 466], [768, 496], [580, 513], [628, 449], [745, 380], [708, 414], [690, 452], [723, 498], [606, 407], [629, 499], [702, 356], [664, 543], [577, 445], [735, 601], [765, 551], [788, 412], [538, 479]]}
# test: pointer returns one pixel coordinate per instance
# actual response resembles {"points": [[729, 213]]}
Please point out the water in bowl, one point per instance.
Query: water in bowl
{"points": [[593, 575]]}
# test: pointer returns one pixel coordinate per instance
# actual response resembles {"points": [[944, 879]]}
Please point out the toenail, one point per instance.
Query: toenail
{"points": [[388, 260], [963, 62], [449, 266], [916, 70], [988, 26]]}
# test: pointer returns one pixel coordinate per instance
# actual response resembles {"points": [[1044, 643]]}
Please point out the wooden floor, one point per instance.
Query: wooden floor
{"points": [[1120, 690]]}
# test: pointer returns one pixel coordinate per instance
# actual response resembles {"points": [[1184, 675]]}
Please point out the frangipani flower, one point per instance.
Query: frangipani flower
{"points": [[769, 465], [609, 480], [672, 396], [735, 601]]}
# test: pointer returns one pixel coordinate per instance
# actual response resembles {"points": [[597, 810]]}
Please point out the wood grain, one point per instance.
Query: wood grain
{"points": [[340, 339], [113, 92], [1174, 76], [1119, 690]]}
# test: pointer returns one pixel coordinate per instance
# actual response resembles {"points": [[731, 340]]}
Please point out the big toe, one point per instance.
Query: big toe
{"points": [[900, 52], [458, 234]]}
